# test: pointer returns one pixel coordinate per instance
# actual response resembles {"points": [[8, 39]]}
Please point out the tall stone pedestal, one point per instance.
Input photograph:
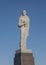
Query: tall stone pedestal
{"points": [[23, 58]]}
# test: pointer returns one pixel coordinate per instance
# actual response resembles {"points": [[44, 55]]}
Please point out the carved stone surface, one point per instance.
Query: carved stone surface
{"points": [[24, 59], [24, 29]]}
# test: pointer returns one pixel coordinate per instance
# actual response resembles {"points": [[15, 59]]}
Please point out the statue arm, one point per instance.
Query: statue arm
{"points": [[20, 23]]}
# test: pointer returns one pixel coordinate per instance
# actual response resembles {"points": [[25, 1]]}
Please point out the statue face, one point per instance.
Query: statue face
{"points": [[24, 12]]}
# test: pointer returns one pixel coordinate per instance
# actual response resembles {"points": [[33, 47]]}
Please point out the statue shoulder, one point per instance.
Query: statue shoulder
{"points": [[27, 17], [20, 17]]}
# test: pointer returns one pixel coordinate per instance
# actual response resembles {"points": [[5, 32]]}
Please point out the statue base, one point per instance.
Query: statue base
{"points": [[24, 51], [24, 57]]}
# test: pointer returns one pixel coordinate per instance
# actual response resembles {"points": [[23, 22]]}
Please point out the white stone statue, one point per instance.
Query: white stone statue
{"points": [[24, 29]]}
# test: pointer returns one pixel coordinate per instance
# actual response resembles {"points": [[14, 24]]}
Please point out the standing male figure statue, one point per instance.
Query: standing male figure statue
{"points": [[24, 29]]}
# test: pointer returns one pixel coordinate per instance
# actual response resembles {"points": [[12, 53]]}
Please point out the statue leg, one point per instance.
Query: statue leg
{"points": [[22, 39], [25, 38]]}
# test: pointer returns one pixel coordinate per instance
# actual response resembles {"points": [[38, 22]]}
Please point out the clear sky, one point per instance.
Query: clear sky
{"points": [[10, 10]]}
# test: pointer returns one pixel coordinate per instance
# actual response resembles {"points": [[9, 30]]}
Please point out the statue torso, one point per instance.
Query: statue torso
{"points": [[24, 20]]}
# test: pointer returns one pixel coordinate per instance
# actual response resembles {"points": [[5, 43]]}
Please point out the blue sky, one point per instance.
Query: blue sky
{"points": [[10, 10]]}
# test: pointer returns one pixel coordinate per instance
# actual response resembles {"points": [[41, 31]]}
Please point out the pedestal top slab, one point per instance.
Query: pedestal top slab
{"points": [[24, 51]]}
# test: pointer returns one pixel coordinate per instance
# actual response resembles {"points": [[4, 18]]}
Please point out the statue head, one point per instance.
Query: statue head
{"points": [[24, 12]]}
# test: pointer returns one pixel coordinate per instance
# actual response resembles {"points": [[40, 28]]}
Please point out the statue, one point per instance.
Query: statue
{"points": [[23, 24]]}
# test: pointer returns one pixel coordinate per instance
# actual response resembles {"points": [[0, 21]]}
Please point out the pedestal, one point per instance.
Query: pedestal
{"points": [[24, 57]]}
